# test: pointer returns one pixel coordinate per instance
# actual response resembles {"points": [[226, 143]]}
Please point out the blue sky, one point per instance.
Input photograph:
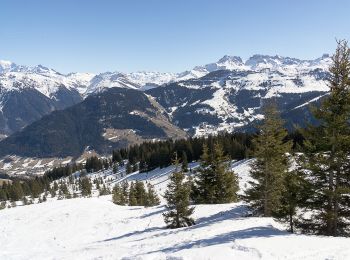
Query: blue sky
{"points": [[165, 35]]}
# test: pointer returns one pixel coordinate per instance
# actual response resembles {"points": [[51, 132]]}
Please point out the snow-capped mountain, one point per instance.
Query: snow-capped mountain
{"points": [[231, 98], [223, 95], [13, 76]]}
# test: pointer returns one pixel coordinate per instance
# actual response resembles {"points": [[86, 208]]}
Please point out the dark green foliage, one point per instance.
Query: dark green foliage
{"points": [[326, 155], [214, 181], [93, 164], [118, 195], [116, 156], [140, 193], [128, 168], [65, 171], [151, 155], [294, 196], [125, 193], [178, 207], [152, 198], [104, 190], [137, 195], [132, 196], [85, 187], [271, 164]]}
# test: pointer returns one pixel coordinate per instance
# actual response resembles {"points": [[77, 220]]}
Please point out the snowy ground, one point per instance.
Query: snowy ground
{"points": [[95, 228]]}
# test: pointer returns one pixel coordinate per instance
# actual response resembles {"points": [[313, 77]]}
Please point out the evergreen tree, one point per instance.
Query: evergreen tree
{"points": [[270, 165], [140, 193], [15, 191], [327, 154], [125, 192], [132, 195], [128, 168], [85, 187], [215, 182], [116, 156], [152, 197], [204, 180], [118, 195], [177, 196], [293, 197], [225, 181]]}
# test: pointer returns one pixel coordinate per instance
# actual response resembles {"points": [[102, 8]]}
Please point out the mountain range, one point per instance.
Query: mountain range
{"points": [[47, 113]]}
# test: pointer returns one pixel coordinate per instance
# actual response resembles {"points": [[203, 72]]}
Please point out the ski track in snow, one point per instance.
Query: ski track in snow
{"points": [[95, 228]]}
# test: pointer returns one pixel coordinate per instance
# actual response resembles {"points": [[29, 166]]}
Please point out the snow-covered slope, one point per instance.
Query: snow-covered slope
{"points": [[95, 228]]}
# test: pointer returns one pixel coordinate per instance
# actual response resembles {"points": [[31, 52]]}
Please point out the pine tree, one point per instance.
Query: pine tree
{"points": [[327, 154], [128, 168], [118, 195], [177, 196], [132, 195], [140, 193], [125, 193], [204, 180], [270, 165], [226, 181], [293, 197], [85, 187], [215, 182], [152, 197]]}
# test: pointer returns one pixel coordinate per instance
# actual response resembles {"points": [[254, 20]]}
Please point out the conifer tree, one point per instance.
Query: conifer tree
{"points": [[152, 197], [35, 188], [128, 168], [15, 191], [293, 197], [225, 181], [270, 165], [85, 187], [125, 191], [215, 182], [118, 195], [177, 196], [327, 154], [204, 181], [132, 195], [140, 193]]}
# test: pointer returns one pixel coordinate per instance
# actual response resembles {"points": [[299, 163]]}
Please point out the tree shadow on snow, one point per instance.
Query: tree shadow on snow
{"points": [[255, 232], [161, 210], [131, 234], [234, 213]]}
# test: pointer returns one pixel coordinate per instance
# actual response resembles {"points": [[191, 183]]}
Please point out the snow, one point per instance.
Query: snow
{"points": [[95, 228], [260, 68]]}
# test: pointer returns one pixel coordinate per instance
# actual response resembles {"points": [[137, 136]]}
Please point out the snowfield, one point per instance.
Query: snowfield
{"points": [[95, 228]]}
